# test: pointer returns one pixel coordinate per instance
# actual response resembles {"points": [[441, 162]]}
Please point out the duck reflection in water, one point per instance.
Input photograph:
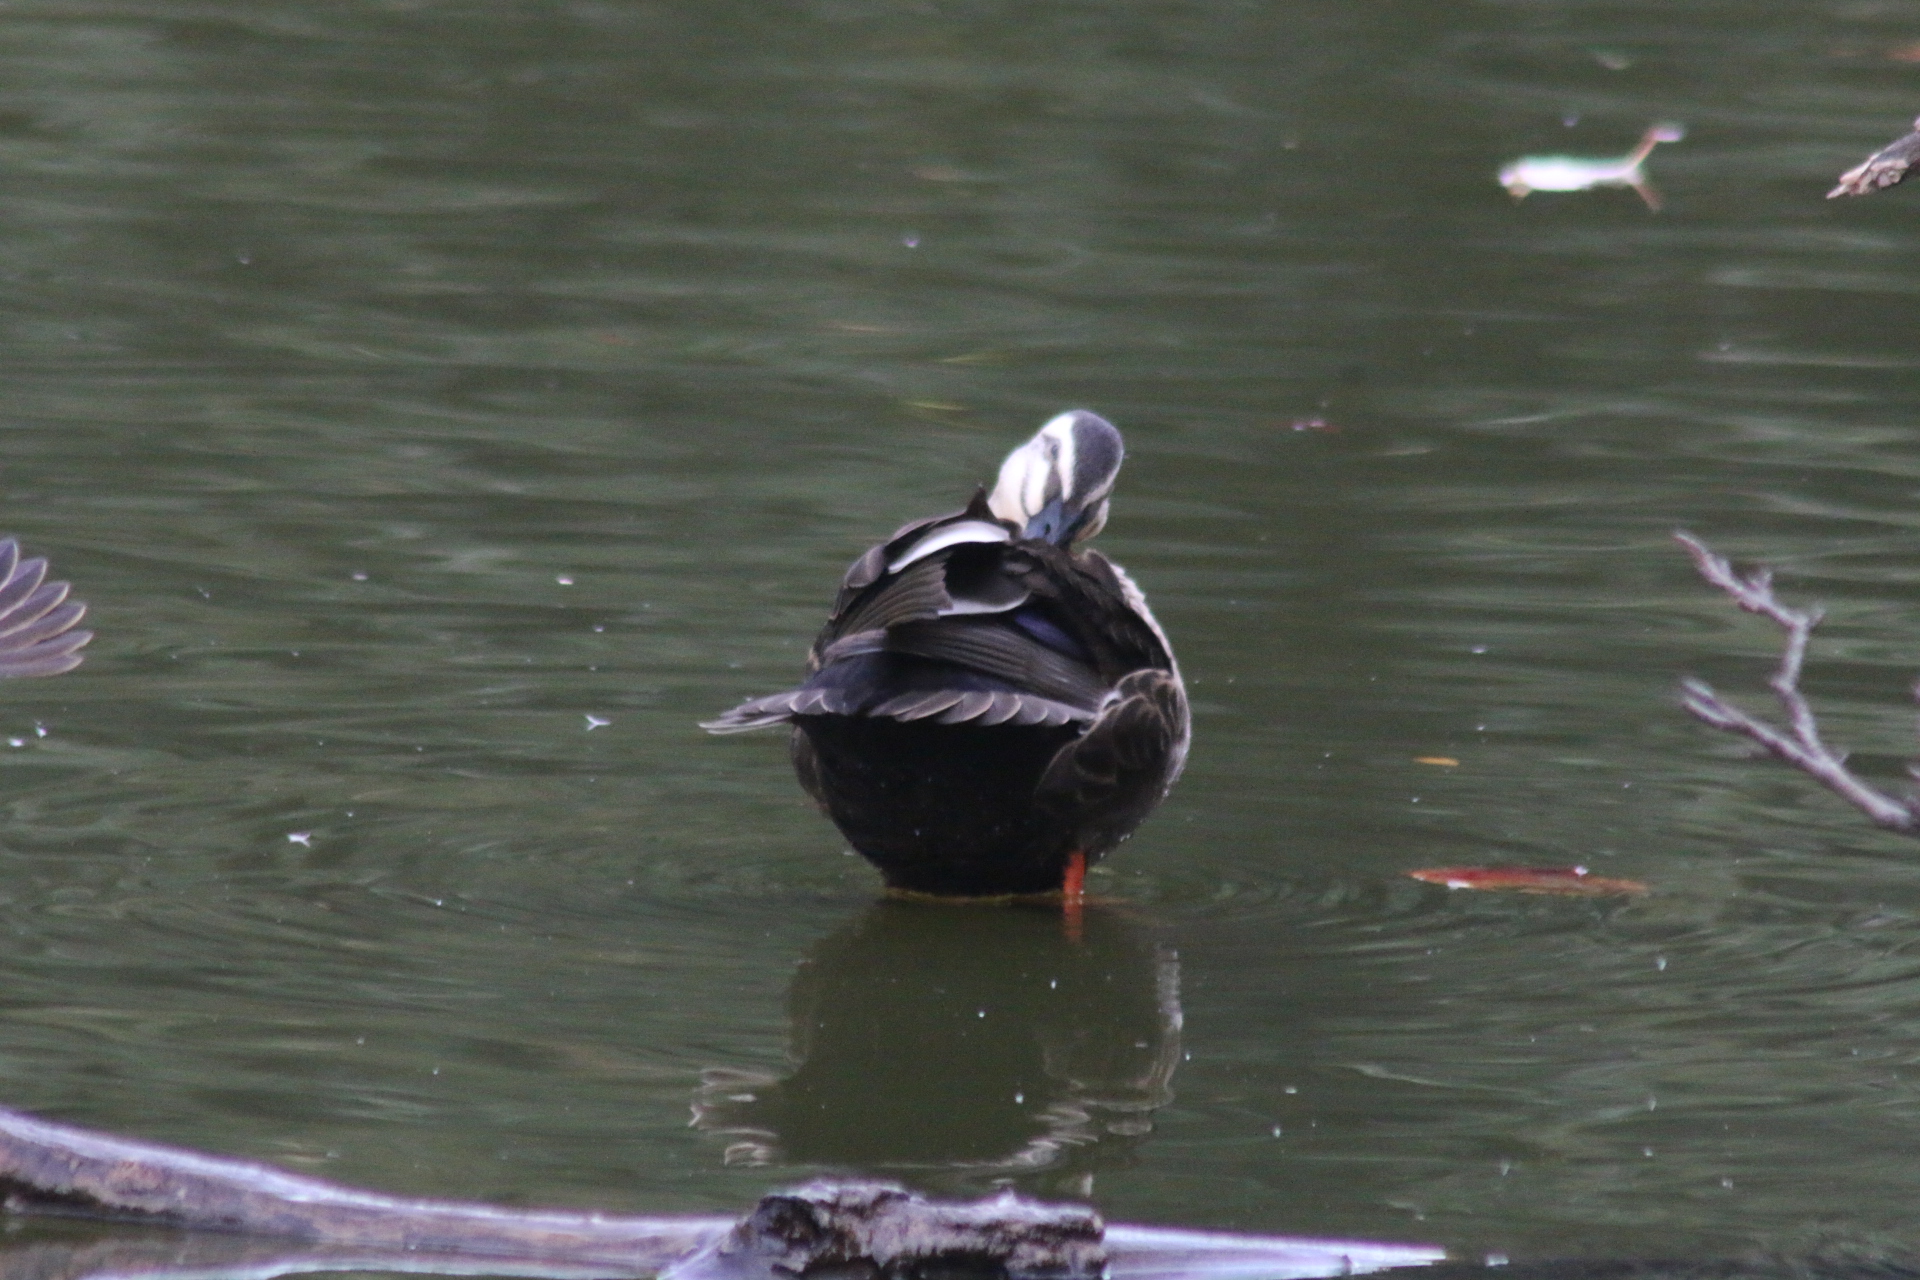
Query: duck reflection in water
{"points": [[971, 1040]]}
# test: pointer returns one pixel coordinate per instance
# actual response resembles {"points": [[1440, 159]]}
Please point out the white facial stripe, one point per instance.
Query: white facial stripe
{"points": [[1007, 498], [1052, 466]]}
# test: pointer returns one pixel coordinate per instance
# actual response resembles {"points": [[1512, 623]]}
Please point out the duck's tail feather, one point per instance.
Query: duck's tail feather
{"points": [[781, 708], [976, 706]]}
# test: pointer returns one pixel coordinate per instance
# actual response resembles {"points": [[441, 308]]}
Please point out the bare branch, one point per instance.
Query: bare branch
{"points": [[1799, 744]]}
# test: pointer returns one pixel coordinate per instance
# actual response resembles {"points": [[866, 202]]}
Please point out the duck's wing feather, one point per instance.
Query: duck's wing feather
{"points": [[913, 673], [986, 707], [952, 620], [1128, 757], [999, 649], [780, 708], [36, 618], [918, 592], [893, 555]]}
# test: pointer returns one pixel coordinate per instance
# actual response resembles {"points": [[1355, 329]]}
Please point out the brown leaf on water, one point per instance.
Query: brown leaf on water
{"points": [[1573, 881]]}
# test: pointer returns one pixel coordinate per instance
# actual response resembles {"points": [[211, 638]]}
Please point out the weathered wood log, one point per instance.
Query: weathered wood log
{"points": [[894, 1232], [53, 1168], [138, 1254], [275, 1223]]}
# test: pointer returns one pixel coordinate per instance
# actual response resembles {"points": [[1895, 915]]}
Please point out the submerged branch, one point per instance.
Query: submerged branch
{"points": [[1799, 744]]}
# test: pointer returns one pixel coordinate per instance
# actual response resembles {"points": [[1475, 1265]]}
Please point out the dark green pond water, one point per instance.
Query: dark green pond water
{"points": [[409, 386]]}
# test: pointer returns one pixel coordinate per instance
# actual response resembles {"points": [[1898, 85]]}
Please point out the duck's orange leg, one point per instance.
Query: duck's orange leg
{"points": [[1073, 893]]}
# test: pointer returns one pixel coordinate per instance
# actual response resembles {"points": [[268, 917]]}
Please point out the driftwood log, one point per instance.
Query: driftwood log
{"points": [[1884, 168], [270, 1222]]}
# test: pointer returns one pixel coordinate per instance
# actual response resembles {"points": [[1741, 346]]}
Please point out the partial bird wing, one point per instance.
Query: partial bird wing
{"points": [[1884, 168], [36, 618], [1120, 768], [947, 620], [1005, 652]]}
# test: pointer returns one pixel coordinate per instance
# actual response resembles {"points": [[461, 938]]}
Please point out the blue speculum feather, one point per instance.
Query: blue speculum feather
{"points": [[1049, 634]]}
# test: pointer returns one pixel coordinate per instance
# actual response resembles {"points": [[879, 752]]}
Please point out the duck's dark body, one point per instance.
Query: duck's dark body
{"points": [[981, 705], [944, 809]]}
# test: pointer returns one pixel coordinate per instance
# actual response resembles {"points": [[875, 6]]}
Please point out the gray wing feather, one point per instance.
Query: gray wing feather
{"points": [[1005, 707], [917, 706], [952, 706], [22, 580], [1045, 711], [971, 706], [779, 708], [920, 591], [36, 606], [1026, 708], [36, 619], [1004, 654], [52, 623], [1130, 755], [853, 646], [922, 610], [761, 713]]}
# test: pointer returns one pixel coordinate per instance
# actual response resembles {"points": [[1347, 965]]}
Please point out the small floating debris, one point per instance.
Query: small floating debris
{"points": [[1886, 167], [1442, 762], [1529, 174], [1572, 881]]}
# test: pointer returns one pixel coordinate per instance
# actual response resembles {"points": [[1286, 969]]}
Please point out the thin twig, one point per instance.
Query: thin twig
{"points": [[1799, 744]]}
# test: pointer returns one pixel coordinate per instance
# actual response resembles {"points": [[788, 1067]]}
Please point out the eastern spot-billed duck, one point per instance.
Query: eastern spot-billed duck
{"points": [[991, 705]]}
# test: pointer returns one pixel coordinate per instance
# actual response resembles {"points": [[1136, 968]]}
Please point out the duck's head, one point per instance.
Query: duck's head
{"points": [[1056, 485]]}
